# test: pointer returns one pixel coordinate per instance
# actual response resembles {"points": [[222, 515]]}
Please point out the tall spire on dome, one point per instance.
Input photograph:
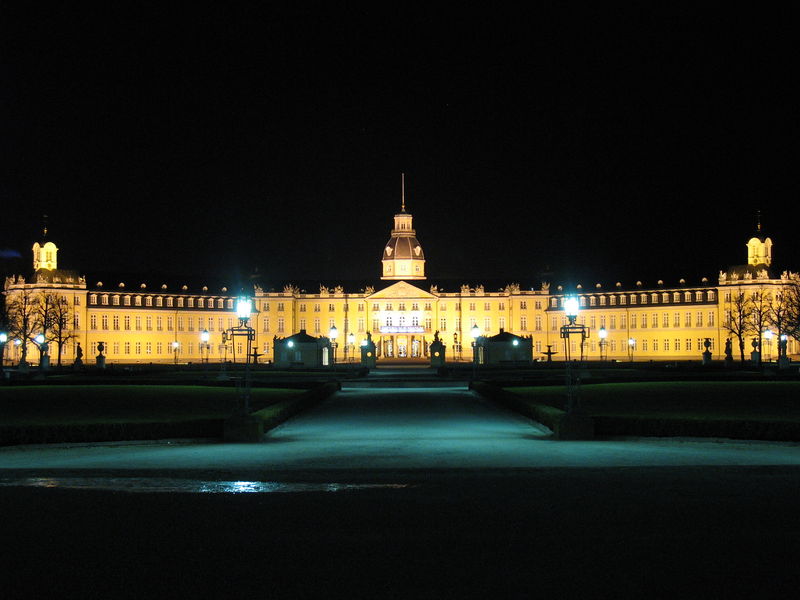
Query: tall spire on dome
{"points": [[402, 192], [758, 221], [44, 226]]}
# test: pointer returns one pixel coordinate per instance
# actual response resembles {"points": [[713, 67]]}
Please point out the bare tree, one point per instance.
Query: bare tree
{"points": [[56, 320], [791, 294], [21, 313], [758, 316], [737, 317]]}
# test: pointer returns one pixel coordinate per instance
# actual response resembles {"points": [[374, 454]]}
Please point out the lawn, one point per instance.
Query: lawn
{"points": [[96, 404], [730, 400]]}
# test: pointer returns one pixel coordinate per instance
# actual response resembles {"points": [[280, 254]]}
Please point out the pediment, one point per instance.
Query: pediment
{"points": [[401, 289]]}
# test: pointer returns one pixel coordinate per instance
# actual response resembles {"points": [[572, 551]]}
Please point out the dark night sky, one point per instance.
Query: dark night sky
{"points": [[604, 145]]}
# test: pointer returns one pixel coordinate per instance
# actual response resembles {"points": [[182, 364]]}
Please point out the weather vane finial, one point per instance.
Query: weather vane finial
{"points": [[44, 227], [758, 220], [403, 192]]}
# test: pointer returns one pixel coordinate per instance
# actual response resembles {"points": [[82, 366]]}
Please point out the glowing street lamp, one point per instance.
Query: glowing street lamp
{"points": [[175, 346], [571, 308], [603, 334], [631, 346], [243, 309], [333, 333], [768, 336]]}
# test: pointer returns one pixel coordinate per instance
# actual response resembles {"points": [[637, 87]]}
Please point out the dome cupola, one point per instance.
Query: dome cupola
{"points": [[403, 257]]}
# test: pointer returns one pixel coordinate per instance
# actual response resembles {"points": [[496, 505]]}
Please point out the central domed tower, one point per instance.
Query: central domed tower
{"points": [[403, 257]]}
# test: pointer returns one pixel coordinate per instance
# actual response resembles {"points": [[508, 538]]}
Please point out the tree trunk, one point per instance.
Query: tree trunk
{"points": [[741, 349]]}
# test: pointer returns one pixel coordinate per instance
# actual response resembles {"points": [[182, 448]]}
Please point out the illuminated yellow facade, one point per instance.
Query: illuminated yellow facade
{"points": [[153, 322]]}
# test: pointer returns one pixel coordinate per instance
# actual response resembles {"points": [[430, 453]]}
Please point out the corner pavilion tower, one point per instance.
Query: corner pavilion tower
{"points": [[403, 257]]}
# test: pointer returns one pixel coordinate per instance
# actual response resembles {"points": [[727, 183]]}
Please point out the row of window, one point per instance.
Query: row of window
{"points": [[159, 301], [653, 298], [158, 323], [639, 345]]}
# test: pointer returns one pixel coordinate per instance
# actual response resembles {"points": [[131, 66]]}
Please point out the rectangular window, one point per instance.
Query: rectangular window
{"points": [[427, 306], [360, 307], [613, 324], [115, 322], [429, 324], [688, 343], [138, 347], [115, 348], [523, 323], [148, 301], [159, 348], [553, 323], [180, 323], [501, 323], [487, 306], [687, 319], [148, 348], [92, 322], [654, 320], [169, 323], [443, 324], [331, 308], [401, 306], [699, 320], [169, 302], [302, 307], [655, 345], [190, 321], [538, 323], [376, 325], [138, 323], [317, 328], [104, 322], [633, 321], [148, 323], [487, 324], [280, 306], [677, 344], [302, 324], [281, 325], [127, 347], [137, 300], [523, 304], [538, 305], [115, 300], [593, 322], [265, 324], [472, 306], [710, 318], [361, 325], [622, 320], [622, 299]]}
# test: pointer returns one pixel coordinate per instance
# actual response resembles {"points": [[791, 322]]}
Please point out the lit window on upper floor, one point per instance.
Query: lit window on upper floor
{"points": [[180, 302], [126, 301], [148, 301], [190, 302], [137, 300], [583, 300], [92, 298], [104, 299], [159, 301], [592, 301], [115, 300], [201, 303], [711, 295], [612, 300], [602, 300]]}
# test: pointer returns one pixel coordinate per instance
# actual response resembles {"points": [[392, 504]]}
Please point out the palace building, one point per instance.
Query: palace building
{"points": [[153, 321]]}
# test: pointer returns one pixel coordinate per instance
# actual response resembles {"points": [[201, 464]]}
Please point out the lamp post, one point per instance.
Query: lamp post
{"points": [[175, 346], [204, 345], [351, 340], [475, 332], [768, 336], [603, 334], [631, 347], [333, 333], [244, 308], [572, 327], [3, 341]]}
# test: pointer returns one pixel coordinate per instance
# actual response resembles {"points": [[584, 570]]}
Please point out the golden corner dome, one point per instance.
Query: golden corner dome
{"points": [[403, 257]]}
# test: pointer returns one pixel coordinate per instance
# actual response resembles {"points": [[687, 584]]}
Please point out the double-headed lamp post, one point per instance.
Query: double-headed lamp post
{"points": [[631, 347], [175, 346], [603, 334], [351, 340], [333, 333], [204, 337]]}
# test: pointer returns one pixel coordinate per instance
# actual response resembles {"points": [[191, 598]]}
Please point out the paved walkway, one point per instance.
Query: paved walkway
{"points": [[414, 428]]}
